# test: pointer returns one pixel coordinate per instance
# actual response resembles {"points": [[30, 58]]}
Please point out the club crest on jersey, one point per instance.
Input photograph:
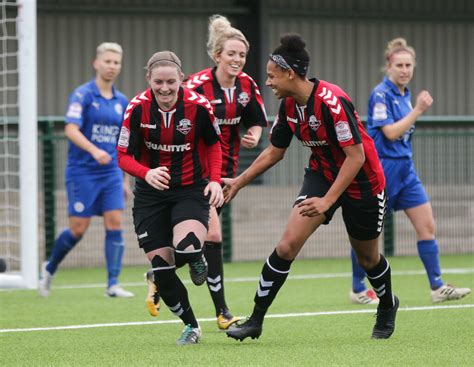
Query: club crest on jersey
{"points": [[243, 99], [79, 207], [119, 109], [184, 126], [314, 124]]}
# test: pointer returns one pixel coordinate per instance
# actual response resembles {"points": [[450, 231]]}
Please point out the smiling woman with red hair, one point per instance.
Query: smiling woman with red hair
{"points": [[158, 145]]}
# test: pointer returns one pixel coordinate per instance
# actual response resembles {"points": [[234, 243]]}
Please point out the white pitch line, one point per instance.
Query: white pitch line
{"points": [[291, 277], [255, 279], [274, 316]]}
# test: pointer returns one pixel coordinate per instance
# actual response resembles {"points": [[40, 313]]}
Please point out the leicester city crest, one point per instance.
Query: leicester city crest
{"points": [[184, 126], [118, 109]]}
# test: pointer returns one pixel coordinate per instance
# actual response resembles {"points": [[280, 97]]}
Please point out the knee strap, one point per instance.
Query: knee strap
{"points": [[159, 263], [190, 240]]}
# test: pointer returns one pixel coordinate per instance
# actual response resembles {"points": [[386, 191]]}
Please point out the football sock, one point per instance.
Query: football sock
{"points": [[172, 291], [358, 275], [114, 248], [380, 279], [179, 260], [429, 254], [215, 274], [274, 273], [64, 243]]}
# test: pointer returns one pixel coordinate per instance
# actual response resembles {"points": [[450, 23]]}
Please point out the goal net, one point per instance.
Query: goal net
{"points": [[18, 145]]}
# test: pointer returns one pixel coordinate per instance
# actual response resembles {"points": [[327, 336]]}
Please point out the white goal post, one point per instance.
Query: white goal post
{"points": [[26, 274]]}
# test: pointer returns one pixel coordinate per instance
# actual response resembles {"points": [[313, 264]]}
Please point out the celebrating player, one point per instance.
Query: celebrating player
{"points": [[95, 184], [391, 123], [344, 171], [158, 144], [236, 101]]}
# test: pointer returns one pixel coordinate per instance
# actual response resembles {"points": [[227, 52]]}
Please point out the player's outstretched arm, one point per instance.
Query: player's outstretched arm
{"points": [[251, 137], [269, 157]]}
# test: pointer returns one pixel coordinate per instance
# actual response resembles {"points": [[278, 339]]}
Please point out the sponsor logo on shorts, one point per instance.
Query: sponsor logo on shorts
{"points": [[381, 213], [301, 197], [143, 235]]}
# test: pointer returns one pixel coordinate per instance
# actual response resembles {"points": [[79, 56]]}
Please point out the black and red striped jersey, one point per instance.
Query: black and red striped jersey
{"points": [[328, 123], [157, 138], [241, 104]]}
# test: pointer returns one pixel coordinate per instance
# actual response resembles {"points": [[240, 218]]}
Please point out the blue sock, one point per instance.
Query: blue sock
{"points": [[429, 254], [358, 275], [64, 243], [114, 247]]}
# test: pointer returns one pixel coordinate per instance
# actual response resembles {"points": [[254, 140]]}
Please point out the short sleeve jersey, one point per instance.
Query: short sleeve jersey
{"points": [[158, 138], [233, 107], [326, 125], [387, 106], [99, 120]]}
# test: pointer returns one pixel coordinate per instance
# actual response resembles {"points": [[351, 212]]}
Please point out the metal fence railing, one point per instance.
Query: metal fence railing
{"points": [[444, 152]]}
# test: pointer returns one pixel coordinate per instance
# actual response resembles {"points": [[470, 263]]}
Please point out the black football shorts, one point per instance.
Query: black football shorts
{"points": [[363, 217], [155, 213]]}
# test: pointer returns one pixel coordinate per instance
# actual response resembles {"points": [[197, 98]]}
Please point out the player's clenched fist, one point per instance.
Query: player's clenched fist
{"points": [[158, 178], [423, 101]]}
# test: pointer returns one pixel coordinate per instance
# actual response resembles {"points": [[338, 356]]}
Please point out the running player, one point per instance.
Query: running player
{"points": [[344, 171], [236, 102], [95, 184], [391, 123], [158, 144]]}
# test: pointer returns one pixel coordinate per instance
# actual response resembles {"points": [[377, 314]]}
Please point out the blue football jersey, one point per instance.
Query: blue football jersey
{"points": [[99, 119], [386, 106]]}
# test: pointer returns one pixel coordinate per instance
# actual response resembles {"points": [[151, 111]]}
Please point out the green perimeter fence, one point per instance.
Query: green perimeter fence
{"points": [[252, 225]]}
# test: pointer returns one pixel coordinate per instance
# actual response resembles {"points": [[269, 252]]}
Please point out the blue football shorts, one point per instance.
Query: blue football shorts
{"points": [[90, 195], [403, 186]]}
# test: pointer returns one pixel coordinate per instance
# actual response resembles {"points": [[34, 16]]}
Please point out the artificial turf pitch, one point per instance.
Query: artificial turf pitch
{"points": [[311, 322]]}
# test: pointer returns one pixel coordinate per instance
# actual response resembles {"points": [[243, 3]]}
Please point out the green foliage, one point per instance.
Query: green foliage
{"points": [[434, 337]]}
